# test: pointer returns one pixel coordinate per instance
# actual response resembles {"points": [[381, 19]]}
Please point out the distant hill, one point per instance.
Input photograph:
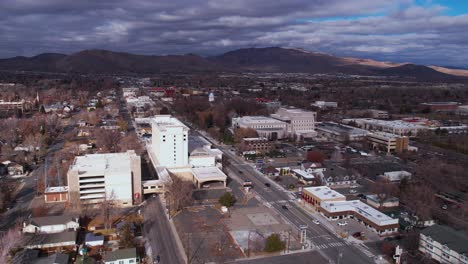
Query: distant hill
{"points": [[271, 59]]}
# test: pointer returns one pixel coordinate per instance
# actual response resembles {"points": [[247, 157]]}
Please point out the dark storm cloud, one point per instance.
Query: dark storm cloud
{"points": [[393, 30]]}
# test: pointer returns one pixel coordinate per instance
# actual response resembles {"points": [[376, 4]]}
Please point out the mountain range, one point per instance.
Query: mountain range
{"points": [[272, 59]]}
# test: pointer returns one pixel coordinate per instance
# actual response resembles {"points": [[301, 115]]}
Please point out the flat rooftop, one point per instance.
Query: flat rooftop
{"points": [[58, 189], [389, 123], [209, 174], [340, 128], [257, 119], [324, 193], [361, 208], [103, 164], [163, 121]]}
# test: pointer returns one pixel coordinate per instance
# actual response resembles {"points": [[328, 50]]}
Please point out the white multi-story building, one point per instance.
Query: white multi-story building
{"points": [[265, 126], [300, 123], [94, 177], [169, 141], [398, 127], [444, 244]]}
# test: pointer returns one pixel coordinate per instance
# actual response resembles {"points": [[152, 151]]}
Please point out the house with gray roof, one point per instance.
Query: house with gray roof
{"points": [[52, 241], [51, 224], [444, 244], [121, 256]]}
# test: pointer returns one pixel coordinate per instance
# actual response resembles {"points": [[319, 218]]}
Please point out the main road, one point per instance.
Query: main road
{"points": [[329, 245]]}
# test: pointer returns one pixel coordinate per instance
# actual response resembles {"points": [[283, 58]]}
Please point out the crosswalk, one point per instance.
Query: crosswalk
{"points": [[330, 245]]}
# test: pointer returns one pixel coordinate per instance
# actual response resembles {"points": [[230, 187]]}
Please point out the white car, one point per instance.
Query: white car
{"points": [[352, 191], [315, 221], [342, 223]]}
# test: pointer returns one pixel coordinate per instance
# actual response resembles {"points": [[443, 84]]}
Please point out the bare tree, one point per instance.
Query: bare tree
{"points": [[130, 142], [108, 139], [384, 190], [178, 194], [9, 240], [108, 207]]}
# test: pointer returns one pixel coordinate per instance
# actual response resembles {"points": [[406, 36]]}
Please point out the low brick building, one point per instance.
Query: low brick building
{"points": [[56, 194]]}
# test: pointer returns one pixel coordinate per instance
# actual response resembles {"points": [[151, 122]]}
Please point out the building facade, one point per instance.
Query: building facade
{"points": [[257, 145], [170, 141], [300, 123], [388, 142], [444, 244], [334, 206], [264, 126], [94, 178]]}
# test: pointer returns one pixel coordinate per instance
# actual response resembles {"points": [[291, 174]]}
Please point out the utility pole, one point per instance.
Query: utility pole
{"points": [[248, 245], [188, 248]]}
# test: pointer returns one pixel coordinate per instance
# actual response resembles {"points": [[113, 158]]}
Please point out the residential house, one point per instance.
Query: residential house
{"points": [[93, 240], [337, 175], [121, 256], [375, 201], [14, 168], [51, 241], [51, 224]]}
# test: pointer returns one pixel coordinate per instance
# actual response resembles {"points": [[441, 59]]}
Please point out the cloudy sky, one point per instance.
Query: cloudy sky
{"points": [[420, 31]]}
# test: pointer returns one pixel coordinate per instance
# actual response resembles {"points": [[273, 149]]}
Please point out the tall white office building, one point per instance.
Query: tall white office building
{"points": [[169, 141]]}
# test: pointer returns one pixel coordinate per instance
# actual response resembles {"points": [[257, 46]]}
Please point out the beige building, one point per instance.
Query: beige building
{"points": [[94, 177], [388, 142], [300, 123], [444, 244], [316, 195]]}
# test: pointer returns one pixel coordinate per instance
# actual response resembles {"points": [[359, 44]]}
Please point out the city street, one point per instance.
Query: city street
{"points": [[158, 231], [327, 243]]}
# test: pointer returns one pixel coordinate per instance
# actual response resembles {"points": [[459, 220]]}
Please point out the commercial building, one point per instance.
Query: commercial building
{"points": [[324, 105], [172, 151], [397, 127], [316, 195], [462, 110], [169, 141], [444, 244], [265, 126], [300, 123], [8, 106], [341, 132], [440, 106], [363, 213], [379, 114], [388, 142], [334, 206], [95, 177], [255, 145], [207, 175]]}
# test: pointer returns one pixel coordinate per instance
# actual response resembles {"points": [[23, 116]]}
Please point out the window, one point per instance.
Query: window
{"points": [[445, 255], [121, 262], [131, 261]]}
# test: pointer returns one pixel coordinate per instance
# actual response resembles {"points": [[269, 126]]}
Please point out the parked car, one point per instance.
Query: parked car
{"points": [[315, 221], [352, 191], [284, 207], [267, 184], [342, 223]]}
